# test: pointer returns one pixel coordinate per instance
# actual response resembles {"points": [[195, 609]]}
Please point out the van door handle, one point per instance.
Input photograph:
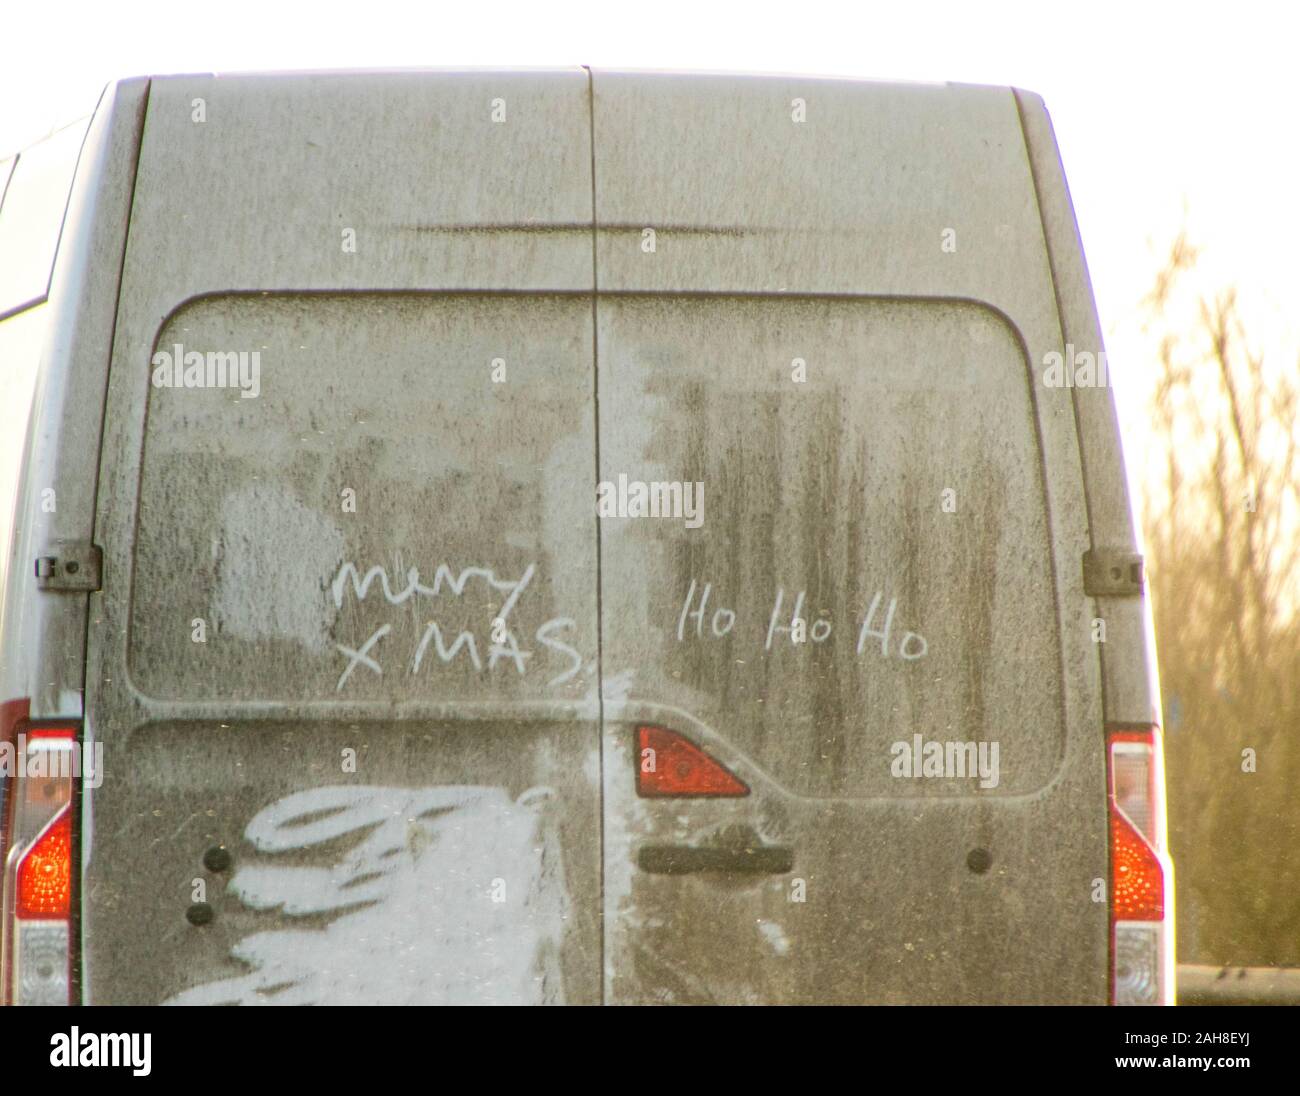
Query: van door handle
{"points": [[733, 849], [754, 859]]}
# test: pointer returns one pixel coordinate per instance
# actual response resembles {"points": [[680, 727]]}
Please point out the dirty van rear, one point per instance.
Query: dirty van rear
{"points": [[568, 536]]}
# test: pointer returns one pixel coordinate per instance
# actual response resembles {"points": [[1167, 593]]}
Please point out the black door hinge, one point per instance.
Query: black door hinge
{"points": [[74, 565], [1113, 572]]}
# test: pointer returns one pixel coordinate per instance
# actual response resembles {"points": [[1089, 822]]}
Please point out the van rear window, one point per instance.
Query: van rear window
{"points": [[367, 497], [869, 467], [391, 496]]}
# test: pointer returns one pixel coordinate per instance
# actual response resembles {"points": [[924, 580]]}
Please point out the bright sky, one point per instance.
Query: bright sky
{"points": [[1163, 112]]}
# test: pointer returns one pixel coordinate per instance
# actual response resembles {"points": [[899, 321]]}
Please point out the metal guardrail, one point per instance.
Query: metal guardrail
{"points": [[1199, 985]]}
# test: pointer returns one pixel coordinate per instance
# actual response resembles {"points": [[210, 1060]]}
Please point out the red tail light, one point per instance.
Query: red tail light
{"points": [[38, 800], [670, 766], [45, 875], [1137, 879], [1141, 884]]}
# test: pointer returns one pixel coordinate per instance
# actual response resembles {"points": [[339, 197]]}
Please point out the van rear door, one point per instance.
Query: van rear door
{"points": [[388, 716], [343, 663], [833, 331]]}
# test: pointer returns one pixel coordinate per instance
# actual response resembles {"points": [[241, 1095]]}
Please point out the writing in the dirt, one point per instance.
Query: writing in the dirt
{"points": [[441, 645], [787, 624]]}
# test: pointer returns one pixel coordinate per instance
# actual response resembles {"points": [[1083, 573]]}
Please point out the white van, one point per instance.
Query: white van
{"points": [[573, 537]]}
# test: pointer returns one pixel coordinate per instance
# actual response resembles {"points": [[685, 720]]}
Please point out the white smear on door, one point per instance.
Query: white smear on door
{"points": [[775, 935], [454, 895], [271, 555]]}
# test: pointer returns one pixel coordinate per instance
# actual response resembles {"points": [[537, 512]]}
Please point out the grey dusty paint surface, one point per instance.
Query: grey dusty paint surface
{"points": [[523, 241]]}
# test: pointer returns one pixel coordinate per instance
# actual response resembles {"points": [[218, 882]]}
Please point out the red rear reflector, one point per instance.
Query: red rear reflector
{"points": [[45, 875], [669, 765]]}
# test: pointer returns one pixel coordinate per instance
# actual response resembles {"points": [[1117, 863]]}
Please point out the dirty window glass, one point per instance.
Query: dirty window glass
{"points": [[869, 468], [336, 499]]}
